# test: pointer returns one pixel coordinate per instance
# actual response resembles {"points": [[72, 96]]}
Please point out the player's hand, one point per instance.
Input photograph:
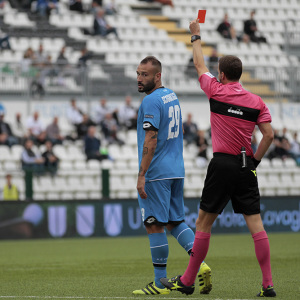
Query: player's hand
{"points": [[141, 187], [195, 27]]}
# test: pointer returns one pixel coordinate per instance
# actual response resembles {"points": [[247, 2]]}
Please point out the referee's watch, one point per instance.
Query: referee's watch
{"points": [[195, 38]]}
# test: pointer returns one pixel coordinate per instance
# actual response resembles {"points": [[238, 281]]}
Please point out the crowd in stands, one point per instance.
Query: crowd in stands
{"points": [[250, 31], [38, 65], [101, 129], [285, 144], [95, 130]]}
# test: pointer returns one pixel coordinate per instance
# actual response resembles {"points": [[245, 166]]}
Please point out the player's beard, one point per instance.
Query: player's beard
{"points": [[146, 87]]}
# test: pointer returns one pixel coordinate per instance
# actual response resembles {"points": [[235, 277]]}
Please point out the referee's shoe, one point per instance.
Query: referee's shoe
{"points": [[175, 284], [204, 276]]}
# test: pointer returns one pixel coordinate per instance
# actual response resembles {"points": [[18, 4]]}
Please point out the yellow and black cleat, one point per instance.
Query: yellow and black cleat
{"points": [[151, 289], [204, 276]]}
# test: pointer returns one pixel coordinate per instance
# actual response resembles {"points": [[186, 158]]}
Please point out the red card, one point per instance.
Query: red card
{"points": [[201, 16]]}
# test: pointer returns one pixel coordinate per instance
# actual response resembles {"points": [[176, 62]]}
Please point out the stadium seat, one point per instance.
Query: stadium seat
{"points": [[115, 151], [53, 196], [39, 196], [79, 195], [5, 153], [45, 184], [60, 184], [264, 164], [74, 184], [95, 195], [277, 163], [9, 166], [120, 164]]}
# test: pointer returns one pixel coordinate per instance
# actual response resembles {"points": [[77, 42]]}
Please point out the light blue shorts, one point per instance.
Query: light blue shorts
{"points": [[164, 203]]}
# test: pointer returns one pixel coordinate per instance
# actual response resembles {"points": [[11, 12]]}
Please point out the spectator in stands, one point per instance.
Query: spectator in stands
{"points": [[76, 5], [40, 57], [92, 146], [226, 29], [32, 161], [74, 113], [84, 57], [163, 2], [39, 62], [96, 4], [190, 130], [36, 129], [250, 29], [4, 41], [82, 65], [111, 8], [10, 190], [6, 135], [45, 7], [48, 70], [202, 144], [51, 161], [127, 114], [110, 129], [82, 128], [53, 132], [19, 129], [213, 62], [61, 59], [27, 68], [101, 110], [101, 27], [280, 147], [295, 148], [63, 68]]}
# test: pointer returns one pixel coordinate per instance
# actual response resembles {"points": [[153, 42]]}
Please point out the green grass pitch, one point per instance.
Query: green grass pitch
{"points": [[99, 268]]}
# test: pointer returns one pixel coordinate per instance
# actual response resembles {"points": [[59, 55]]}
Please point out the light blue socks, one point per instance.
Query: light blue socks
{"points": [[159, 251]]}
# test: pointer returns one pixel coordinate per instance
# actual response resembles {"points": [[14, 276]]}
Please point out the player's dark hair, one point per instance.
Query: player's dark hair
{"points": [[231, 66], [154, 61]]}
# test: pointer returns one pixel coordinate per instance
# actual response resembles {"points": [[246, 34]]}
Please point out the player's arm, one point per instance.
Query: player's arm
{"points": [[267, 139], [149, 147], [197, 49]]}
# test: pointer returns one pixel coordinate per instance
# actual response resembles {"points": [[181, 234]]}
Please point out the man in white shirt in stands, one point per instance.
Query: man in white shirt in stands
{"points": [[36, 128], [127, 114], [74, 114]]}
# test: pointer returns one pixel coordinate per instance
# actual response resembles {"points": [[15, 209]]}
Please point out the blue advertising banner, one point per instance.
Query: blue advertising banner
{"points": [[53, 219]]}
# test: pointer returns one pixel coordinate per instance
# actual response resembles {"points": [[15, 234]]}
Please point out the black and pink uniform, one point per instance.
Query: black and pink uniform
{"points": [[234, 112]]}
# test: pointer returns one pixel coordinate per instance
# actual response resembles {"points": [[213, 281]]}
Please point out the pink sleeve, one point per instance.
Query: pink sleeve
{"points": [[209, 84], [264, 116]]}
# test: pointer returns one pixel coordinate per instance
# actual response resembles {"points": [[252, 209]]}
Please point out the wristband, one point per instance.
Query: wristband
{"points": [[256, 162], [195, 38]]}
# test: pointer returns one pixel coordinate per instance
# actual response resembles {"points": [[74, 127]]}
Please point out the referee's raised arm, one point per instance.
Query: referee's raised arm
{"points": [[197, 49]]}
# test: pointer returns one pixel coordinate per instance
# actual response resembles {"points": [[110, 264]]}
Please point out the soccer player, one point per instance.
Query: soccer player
{"points": [[161, 174], [231, 174]]}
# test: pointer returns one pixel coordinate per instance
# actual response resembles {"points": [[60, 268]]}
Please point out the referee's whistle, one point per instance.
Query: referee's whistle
{"points": [[244, 157]]}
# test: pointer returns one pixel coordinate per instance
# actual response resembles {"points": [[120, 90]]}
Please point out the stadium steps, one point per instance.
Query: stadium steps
{"points": [[262, 90], [256, 86], [176, 33]]}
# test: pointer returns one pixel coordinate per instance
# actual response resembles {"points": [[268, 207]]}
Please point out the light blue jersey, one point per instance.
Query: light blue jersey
{"points": [[162, 109]]}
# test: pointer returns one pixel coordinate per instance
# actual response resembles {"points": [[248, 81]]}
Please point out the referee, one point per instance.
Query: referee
{"points": [[231, 173]]}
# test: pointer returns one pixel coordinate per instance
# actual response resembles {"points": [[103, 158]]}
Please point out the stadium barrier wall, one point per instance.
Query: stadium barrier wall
{"points": [[52, 219]]}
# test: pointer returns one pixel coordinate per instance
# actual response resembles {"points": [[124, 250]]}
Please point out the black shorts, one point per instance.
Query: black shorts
{"points": [[225, 180]]}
